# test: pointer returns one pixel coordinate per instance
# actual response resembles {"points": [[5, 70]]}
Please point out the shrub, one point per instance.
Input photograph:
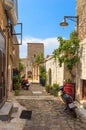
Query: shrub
{"points": [[55, 89], [16, 82], [16, 92], [55, 86], [47, 86]]}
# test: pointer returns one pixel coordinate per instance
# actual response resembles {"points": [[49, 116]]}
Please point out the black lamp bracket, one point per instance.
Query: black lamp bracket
{"points": [[72, 18]]}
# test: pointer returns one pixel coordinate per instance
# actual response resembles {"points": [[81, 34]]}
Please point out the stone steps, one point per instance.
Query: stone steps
{"points": [[5, 111]]}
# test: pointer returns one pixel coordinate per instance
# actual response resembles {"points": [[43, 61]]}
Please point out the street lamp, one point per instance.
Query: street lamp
{"points": [[64, 23]]}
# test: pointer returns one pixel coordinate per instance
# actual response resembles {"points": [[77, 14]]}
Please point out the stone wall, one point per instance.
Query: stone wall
{"points": [[3, 24], [10, 58], [81, 67], [81, 12], [54, 71], [33, 50]]}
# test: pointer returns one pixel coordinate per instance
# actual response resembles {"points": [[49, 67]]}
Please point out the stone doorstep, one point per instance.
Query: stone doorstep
{"points": [[84, 105], [5, 111], [37, 92], [80, 110]]}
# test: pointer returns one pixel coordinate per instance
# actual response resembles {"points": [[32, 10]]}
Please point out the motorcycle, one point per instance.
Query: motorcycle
{"points": [[68, 100], [25, 84]]}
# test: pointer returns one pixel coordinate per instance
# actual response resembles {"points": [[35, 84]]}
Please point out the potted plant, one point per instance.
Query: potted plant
{"points": [[51, 89], [67, 53], [16, 84], [42, 71], [55, 89], [17, 89], [47, 87]]}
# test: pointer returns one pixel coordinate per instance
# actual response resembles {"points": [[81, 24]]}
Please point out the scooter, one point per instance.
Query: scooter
{"points": [[68, 100], [25, 84]]}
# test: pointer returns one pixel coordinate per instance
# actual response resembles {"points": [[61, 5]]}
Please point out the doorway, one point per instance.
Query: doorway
{"points": [[50, 78], [2, 68], [84, 90]]}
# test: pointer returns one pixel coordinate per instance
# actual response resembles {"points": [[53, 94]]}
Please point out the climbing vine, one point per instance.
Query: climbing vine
{"points": [[67, 52]]}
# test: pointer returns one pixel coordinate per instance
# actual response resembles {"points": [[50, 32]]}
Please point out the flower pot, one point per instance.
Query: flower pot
{"points": [[69, 88]]}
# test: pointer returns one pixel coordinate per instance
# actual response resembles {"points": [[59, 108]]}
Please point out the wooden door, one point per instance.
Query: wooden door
{"points": [[84, 90], [2, 76]]}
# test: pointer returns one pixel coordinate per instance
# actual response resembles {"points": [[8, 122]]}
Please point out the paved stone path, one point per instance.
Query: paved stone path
{"points": [[47, 113]]}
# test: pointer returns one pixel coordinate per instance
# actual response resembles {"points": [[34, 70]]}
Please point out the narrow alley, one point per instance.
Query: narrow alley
{"points": [[46, 112], [34, 48]]}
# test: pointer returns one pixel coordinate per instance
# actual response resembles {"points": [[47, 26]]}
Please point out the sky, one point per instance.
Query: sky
{"points": [[41, 18]]}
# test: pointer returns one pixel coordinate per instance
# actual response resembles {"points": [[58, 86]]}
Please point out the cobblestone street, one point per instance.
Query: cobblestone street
{"points": [[47, 115], [47, 112], [42, 64]]}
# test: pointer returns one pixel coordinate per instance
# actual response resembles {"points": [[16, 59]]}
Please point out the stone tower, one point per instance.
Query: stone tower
{"points": [[33, 50]]}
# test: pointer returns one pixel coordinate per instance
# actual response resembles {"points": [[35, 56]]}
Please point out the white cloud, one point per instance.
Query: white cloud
{"points": [[49, 45]]}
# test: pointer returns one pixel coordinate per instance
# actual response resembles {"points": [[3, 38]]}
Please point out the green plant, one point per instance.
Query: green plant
{"points": [[16, 82], [67, 52], [42, 72], [16, 92], [21, 66], [47, 86], [55, 89], [51, 89], [16, 86], [55, 93], [55, 86], [39, 59], [68, 81]]}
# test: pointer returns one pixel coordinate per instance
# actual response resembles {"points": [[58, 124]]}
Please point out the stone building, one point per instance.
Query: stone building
{"points": [[24, 62], [8, 51], [81, 68], [55, 74], [33, 50]]}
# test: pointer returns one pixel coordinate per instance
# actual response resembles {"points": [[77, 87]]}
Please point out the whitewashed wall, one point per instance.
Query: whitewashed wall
{"points": [[57, 73]]}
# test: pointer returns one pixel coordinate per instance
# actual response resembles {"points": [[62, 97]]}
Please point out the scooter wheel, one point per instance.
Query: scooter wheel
{"points": [[74, 113]]}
